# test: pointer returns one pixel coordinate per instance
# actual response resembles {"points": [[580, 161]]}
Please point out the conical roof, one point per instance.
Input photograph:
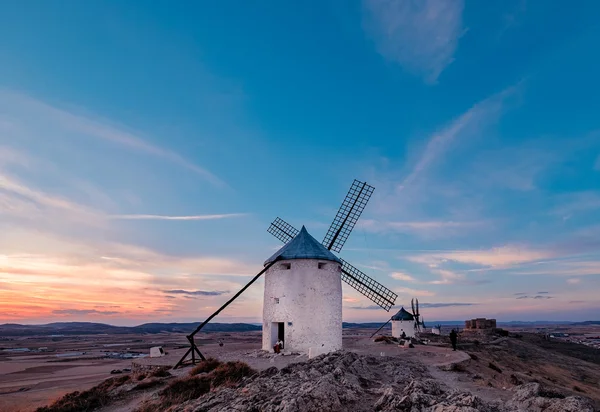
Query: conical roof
{"points": [[403, 315], [303, 246]]}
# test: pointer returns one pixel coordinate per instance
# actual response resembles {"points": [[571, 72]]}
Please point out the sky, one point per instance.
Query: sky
{"points": [[146, 147]]}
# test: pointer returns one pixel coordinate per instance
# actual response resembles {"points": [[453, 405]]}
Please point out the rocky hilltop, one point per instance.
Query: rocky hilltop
{"points": [[346, 381]]}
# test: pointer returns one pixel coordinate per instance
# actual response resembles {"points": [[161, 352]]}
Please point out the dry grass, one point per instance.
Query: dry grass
{"points": [[386, 339], [151, 383], [161, 372], [494, 367], [205, 366], [206, 376], [89, 400], [230, 373]]}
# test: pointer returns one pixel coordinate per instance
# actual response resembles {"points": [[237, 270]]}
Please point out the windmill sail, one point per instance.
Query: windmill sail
{"points": [[282, 230], [347, 216], [364, 284], [368, 286]]}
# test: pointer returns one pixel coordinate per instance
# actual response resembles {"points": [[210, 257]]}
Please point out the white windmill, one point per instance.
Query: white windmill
{"points": [[303, 292]]}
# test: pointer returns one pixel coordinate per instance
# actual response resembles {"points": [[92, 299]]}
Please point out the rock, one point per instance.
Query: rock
{"points": [[532, 397]]}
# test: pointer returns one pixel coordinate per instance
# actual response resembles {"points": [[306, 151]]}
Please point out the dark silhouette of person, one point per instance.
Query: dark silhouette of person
{"points": [[453, 338], [403, 336]]}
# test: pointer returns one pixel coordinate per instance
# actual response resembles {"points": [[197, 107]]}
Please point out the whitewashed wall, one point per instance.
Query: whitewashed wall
{"points": [[407, 325], [310, 298]]}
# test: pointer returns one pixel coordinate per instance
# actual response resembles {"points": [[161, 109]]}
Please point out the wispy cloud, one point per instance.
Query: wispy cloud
{"points": [[535, 297], [573, 281], [402, 276], [417, 182], [421, 305], [196, 292], [100, 129], [414, 292], [495, 257], [21, 200], [84, 312], [165, 217], [577, 202], [445, 305], [10, 156], [421, 228], [421, 36]]}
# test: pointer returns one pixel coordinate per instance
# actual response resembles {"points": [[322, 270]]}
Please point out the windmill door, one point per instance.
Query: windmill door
{"points": [[280, 332]]}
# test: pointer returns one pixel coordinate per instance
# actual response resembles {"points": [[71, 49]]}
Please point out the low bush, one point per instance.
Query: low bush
{"points": [[150, 383], [161, 372], [206, 376], [89, 400], [205, 366], [494, 367], [179, 391], [230, 373]]}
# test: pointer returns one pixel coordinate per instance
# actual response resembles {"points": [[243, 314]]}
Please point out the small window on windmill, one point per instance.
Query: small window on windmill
{"points": [[289, 323], [277, 300], [286, 266], [322, 265]]}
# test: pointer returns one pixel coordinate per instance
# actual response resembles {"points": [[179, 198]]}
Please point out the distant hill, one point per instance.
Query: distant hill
{"points": [[89, 328], [587, 322]]}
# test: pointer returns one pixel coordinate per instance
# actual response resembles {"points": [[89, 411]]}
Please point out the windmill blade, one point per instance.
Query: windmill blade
{"points": [[282, 230], [369, 287], [345, 219], [417, 301], [412, 304]]}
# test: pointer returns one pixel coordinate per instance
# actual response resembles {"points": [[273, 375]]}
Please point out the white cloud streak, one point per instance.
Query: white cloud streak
{"points": [[164, 217], [420, 35], [101, 130], [495, 257], [402, 276]]}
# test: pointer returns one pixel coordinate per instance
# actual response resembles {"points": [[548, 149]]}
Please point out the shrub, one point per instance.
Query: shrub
{"points": [[93, 398], [195, 385], [182, 390], [161, 373], [473, 356], [230, 373], [141, 377], [205, 366], [578, 389], [151, 383], [515, 380], [494, 367]]}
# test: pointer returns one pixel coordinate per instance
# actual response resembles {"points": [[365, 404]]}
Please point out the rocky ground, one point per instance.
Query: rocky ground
{"points": [[347, 381], [489, 374]]}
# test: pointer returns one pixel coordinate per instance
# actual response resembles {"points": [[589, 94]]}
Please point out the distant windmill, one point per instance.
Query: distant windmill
{"points": [[419, 324], [302, 305], [405, 321]]}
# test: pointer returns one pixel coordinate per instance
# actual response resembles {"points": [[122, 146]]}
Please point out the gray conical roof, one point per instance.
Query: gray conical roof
{"points": [[303, 246], [403, 315]]}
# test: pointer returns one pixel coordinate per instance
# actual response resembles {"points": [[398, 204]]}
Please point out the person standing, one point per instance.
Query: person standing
{"points": [[453, 338]]}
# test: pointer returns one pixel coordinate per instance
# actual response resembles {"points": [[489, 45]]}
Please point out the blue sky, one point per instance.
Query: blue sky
{"points": [[145, 148]]}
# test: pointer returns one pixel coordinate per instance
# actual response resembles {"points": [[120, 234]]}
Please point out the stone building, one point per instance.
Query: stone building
{"points": [[480, 323]]}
